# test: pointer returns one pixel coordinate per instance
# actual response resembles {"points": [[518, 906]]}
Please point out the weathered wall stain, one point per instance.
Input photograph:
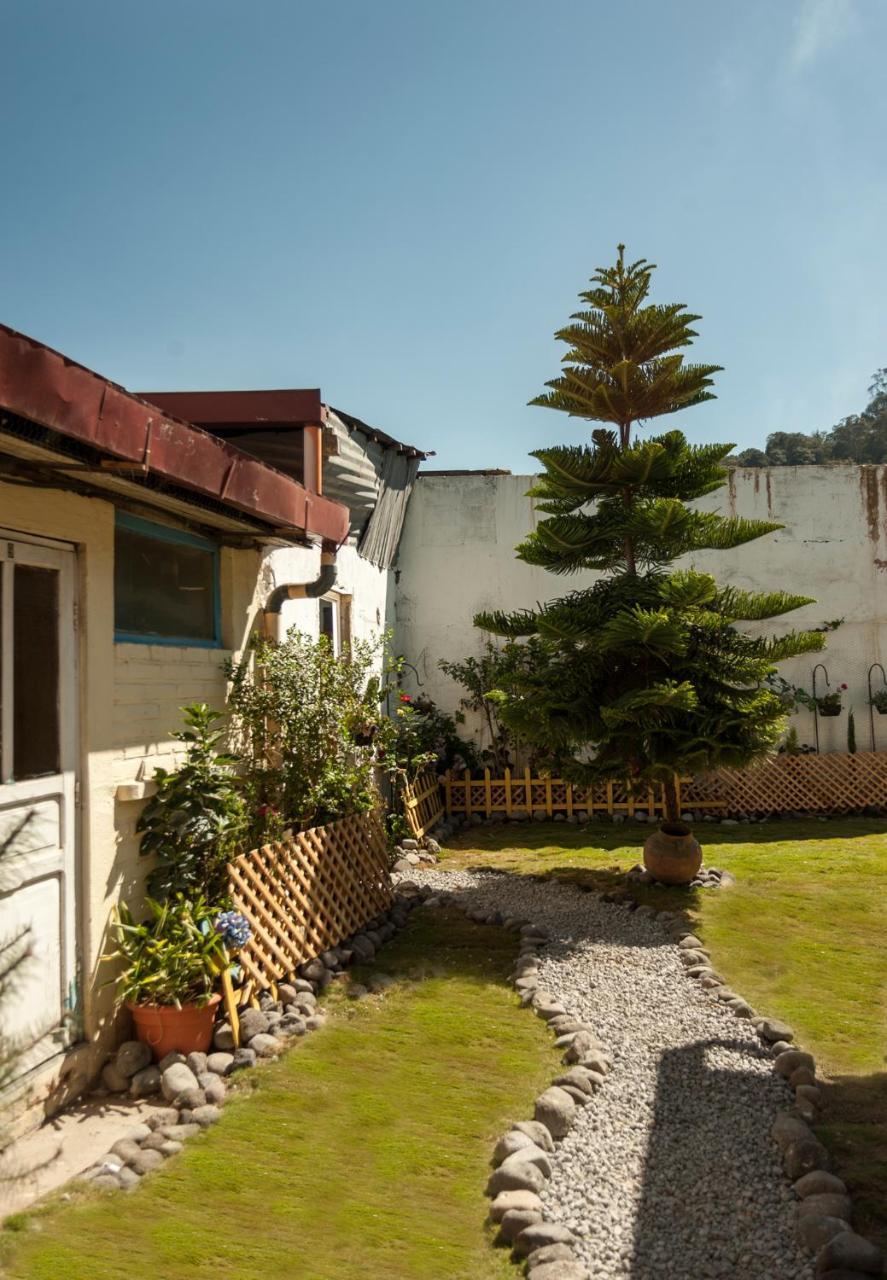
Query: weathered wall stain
{"points": [[868, 484]]}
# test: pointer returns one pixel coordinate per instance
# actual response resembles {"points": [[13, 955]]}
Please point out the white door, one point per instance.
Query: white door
{"points": [[38, 752]]}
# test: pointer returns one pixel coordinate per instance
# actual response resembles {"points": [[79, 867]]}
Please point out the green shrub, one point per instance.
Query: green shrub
{"points": [[197, 820], [307, 727]]}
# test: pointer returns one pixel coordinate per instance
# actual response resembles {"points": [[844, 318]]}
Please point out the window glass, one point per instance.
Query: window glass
{"points": [[328, 621], [35, 677], [165, 584]]}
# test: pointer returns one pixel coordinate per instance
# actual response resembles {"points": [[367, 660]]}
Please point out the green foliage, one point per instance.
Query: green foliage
{"points": [[642, 675], [879, 700], [479, 677], [173, 958], [196, 821], [861, 437], [426, 736], [851, 734], [307, 727]]}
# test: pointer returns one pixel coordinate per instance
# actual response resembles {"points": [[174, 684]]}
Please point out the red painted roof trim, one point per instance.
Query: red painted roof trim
{"points": [[247, 408], [45, 387]]}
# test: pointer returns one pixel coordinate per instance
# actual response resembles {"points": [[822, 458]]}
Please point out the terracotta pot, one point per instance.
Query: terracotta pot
{"points": [[672, 854], [164, 1028]]}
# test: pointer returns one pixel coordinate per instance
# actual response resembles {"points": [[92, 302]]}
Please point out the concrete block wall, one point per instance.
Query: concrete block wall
{"points": [[457, 558]]}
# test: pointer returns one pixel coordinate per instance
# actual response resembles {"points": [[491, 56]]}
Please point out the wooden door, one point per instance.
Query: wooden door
{"points": [[38, 759]]}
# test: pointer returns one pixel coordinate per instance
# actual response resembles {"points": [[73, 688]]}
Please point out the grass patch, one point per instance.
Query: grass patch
{"points": [[801, 936], [364, 1151]]}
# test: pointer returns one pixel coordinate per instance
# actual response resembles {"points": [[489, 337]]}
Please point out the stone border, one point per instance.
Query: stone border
{"points": [[825, 1207], [196, 1087], [521, 1157]]}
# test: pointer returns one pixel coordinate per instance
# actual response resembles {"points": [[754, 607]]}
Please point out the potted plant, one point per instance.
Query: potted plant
{"points": [[172, 962], [829, 704], [879, 702]]}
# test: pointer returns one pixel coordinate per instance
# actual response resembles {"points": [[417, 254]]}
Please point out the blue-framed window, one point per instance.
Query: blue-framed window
{"points": [[166, 586]]}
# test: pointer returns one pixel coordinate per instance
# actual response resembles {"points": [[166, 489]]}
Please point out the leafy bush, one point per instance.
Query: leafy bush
{"points": [[480, 678], [426, 736], [197, 820], [174, 957], [307, 727]]}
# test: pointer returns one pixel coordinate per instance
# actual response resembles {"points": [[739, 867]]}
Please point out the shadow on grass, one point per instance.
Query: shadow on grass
{"points": [[854, 1128], [604, 835], [363, 1151]]}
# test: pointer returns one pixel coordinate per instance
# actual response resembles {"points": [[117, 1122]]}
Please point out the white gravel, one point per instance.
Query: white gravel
{"points": [[670, 1173]]}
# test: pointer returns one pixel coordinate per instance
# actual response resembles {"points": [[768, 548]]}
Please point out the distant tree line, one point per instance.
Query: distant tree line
{"points": [[860, 438]]}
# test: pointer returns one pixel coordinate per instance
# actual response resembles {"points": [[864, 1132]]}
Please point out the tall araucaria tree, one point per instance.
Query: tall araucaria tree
{"points": [[642, 675]]}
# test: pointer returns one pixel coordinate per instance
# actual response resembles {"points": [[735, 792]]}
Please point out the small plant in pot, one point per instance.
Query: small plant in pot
{"points": [[879, 702], [172, 963], [830, 704]]}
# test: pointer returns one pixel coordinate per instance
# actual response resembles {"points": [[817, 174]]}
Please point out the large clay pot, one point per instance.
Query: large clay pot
{"points": [[672, 854], [164, 1028]]}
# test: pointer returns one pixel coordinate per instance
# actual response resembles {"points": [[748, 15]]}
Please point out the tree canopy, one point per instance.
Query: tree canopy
{"points": [[643, 674], [862, 437]]}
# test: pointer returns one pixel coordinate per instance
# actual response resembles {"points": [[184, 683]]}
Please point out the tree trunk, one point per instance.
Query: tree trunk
{"points": [[670, 796], [627, 495]]}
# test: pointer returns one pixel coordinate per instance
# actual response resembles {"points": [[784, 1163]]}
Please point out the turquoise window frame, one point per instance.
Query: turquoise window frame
{"points": [[163, 533]]}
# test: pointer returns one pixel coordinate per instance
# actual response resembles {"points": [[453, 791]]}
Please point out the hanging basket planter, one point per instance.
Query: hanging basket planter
{"points": [[829, 704]]}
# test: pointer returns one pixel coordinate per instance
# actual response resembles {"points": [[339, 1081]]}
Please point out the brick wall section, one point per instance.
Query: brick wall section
{"points": [[151, 685]]}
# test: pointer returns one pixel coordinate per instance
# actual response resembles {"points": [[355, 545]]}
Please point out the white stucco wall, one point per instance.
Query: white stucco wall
{"points": [[457, 557], [369, 589]]}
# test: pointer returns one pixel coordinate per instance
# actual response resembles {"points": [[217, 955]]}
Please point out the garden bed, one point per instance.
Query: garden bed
{"points": [[364, 1151]]}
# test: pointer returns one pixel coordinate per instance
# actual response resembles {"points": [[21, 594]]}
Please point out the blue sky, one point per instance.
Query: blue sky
{"points": [[398, 201]]}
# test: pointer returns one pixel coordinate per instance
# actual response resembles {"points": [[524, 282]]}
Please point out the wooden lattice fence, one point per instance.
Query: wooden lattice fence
{"points": [[834, 783], [304, 894], [423, 803], [522, 794]]}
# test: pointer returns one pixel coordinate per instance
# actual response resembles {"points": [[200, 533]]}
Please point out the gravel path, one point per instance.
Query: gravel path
{"points": [[670, 1173]]}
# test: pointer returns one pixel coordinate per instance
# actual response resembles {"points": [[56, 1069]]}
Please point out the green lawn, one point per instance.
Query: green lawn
{"points": [[363, 1152], [802, 936]]}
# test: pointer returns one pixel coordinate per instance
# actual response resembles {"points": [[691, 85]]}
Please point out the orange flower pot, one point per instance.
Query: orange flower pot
{"points": [[164, 1028]]}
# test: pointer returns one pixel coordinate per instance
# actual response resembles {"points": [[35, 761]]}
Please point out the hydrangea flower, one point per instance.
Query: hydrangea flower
{"points": [[234, 928]]}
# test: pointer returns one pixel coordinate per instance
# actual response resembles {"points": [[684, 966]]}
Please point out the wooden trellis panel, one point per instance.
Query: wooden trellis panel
{"points": [[306, 893], [833, 783], [489, 796], [423, 803]]}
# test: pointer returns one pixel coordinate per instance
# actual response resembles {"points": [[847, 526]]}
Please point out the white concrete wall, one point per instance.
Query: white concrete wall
{"points": [[457, 557], [368, 588]]}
